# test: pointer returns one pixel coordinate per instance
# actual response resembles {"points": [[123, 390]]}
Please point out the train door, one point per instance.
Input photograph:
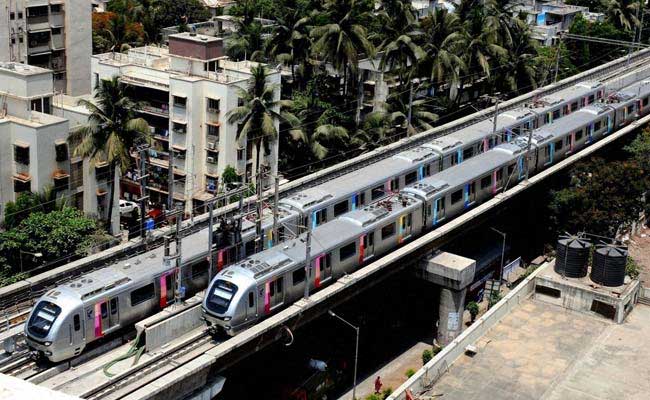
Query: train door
{"points": [[251, 309], [405, 222], [470, 193], [323, 268], [438, 210], [367, 247], [76, 330], [113, 312], [274, 293], [103, 317], [166, 288]]}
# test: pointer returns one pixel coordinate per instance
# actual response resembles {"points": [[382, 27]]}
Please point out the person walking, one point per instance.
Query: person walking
{"points": [[378, 385]]}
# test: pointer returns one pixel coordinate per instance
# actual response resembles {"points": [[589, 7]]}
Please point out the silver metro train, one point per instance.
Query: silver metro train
{"points": [[260, 285], [75, 314]]}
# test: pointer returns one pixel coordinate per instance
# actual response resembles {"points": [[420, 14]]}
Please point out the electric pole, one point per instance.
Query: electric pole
{"points": [[557, 59], [210, 239], [258, 220], [178, 214], [143, 150], [170, 181], [276, 199], [307, 260]]}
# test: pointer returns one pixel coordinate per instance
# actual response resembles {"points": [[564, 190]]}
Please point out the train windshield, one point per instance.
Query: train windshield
{"points": [[220, 296], [43, 318]]}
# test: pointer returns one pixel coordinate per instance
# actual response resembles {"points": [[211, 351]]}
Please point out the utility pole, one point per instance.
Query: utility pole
{"points": [[178, 213], [258, 219], [557, 59], [496, 115], [143, 150], [530, 142], [276, 199], [210, 234], [410, 113], [170, 181], [307, 260]]}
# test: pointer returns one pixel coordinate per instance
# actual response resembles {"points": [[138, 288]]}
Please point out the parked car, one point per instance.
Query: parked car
{"points": [[127, 206]]}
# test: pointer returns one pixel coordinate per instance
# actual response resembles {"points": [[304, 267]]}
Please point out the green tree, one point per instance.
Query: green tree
{"points": [[376, 130], [111, 133], [27, 203], [519, 72], [229, 176], [422, 116], [473, 309], [623, 13], [639, 149]]}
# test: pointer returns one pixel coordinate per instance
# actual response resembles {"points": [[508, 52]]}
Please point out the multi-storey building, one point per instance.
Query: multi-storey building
{"points": [[34, 152], [185, 92], [53, 34]]}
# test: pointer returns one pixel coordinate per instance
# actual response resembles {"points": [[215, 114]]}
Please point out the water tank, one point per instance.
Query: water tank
{"points": [[572, 258], [608, 268]]}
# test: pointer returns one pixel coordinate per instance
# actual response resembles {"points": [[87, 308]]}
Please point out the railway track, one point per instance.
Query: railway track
{"points": [[21, 299]]}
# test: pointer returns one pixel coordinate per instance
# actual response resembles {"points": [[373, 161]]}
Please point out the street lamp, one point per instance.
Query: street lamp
{"points": [[356, 352], [503, 250], [20, 252]]}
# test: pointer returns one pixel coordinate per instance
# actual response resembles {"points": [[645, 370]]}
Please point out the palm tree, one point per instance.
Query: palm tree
{"points": [[342, 38], [376, 130], [442, 41], [402, 56], [260, 112], [422, 116], [521, 63], [111, 133], [623, 13]]}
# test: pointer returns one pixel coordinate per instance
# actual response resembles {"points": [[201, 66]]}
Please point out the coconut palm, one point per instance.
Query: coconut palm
{"points": [[111, 133], [259, 113], [342, 38], [442, 41], [623, 13], [422, 116], [376, 130], [402, 55], [520, 66]]}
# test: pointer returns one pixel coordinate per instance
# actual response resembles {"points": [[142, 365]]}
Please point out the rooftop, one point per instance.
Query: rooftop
{"points": [[22, 69]]}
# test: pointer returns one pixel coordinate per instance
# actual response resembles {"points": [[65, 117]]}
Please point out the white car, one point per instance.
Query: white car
{"points": [[127, 206]]}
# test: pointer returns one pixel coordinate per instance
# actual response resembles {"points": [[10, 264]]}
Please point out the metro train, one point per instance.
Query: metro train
{"points": [[71, 316], [252, 289]]}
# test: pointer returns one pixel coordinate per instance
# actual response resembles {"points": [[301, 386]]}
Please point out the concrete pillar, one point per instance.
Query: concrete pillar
{"points": [[452, 305]]}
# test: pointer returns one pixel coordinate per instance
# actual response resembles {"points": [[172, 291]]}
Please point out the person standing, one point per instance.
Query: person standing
{"points": [[378, 385]]}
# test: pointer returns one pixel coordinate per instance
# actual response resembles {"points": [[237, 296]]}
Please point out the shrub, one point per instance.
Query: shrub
{"points": [[473, 309], [386, 392], [631, 268], [427, 355], [410, 372]]}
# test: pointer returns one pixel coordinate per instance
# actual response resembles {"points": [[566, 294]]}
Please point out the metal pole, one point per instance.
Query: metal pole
{"points": [[170, 181], [307, 260], [210, 233], [530, 140], [276, 199], [557, 59], [143, 188], [356, 362], [410, 114], [179, 275], [258, 220]]}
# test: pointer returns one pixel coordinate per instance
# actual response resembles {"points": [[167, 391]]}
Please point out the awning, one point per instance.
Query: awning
{"points": [[22, 177], [20, 144], [101, 192], [213, 123], [203, 196], [178, 148], [60, 174], [40, 53], [101, 164], [60, 142]]}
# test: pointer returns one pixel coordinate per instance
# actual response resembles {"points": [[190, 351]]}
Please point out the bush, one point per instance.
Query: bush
{"points": [[631, 268], [427, 355], [473, 309], [386, 392], [494, 298], [410, 372]]}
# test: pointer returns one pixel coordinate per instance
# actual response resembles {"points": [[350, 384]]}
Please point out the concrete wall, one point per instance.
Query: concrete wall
{"points": [[431, 372], [78, 38]]}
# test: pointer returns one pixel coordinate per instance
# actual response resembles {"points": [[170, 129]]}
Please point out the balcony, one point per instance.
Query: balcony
{"points": [[155, 108], [57, 19], [36, 48], [38, 23], [212, 143], [37, 3], [58, 42]]}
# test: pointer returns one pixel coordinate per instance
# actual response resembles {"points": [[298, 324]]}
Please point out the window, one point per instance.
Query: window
{"points": [[56, 31], [565, 109], [13, 40], [597, 126], [104, 310], [180, 101], [377, 192], [387, 231], [427, 170], [12, 16], [37, 105], [43, 317], [55, 8], [394, 184], [370, 239], [240, 154], [213, 130], [591, 99], [251, 300], [644, 102], [582, 102], [20, 15], [321, 216], [411, 177], [499, 174], [200, 269], [468, 153], [181, 128], [347, 251], [556, 114], [61, 182], [559, 144], [249, 248], [340, 208], [114, 306], [579, 134], [547, 151], [486, 181], [276, 286], [456, 196], [213, 105], [76, 322], [20, 39], [220, 296], [511, 169], [21, 154], [362, 198], [61, 151], [454, 159], [101, 171], [22, 186], [142, 294], [298, 276], [210, 66]]}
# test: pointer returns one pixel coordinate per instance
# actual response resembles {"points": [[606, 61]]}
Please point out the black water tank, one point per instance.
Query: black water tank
{"points": [[608, 268], [572, 258]]}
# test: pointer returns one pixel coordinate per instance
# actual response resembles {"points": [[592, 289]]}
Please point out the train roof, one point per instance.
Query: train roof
{"points": [[368, 176], [639, 89], [572, 121], [460, 174], [569, 94]]}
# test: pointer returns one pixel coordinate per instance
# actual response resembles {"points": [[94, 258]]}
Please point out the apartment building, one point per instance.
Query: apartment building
{"points": [[34, 152], [185, 91], [52, 34]]}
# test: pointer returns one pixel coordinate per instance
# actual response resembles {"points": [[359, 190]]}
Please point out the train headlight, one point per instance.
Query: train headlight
{"points": [[47, 343], [227, 318]]}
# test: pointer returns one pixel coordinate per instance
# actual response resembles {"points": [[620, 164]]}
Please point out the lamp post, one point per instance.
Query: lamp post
{"points": [[503, 250], [356, 352], [20, 252]]}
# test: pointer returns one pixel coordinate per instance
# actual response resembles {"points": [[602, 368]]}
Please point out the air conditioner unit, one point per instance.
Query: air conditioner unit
{"points": [[211, 145], [211, 160]]}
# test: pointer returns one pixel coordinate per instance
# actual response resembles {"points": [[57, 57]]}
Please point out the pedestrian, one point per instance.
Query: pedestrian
{"points": [[378, 385]]}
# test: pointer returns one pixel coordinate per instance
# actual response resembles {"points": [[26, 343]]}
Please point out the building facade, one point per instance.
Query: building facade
{"points": [[185, 92], [52, 34], [34, 151]]}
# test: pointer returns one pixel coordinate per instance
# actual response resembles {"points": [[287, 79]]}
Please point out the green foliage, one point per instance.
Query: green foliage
{"points": [[495, 297], [386, 392], [409, 373], [639, 149], [473, 309], [374, 396], [601, 197], [587, 55], [632, 268], [427, 355], [229, 175]]}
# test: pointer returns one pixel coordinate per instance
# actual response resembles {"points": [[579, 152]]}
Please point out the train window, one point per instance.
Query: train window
{"points": [[427, 170], [574, 105], [511, 169], [579, 135], [200, 268], [340, 208], [76, 322], [556, 114], [411, 177], [644, 102], [387, 231], [454, 159], [597, 125], [631, 108], [565, 109], [599, 94], [298, 276], [221, 295], [582, 102], [468, 153], [559, 144], [377, 192], [456, 196], [394, 184], [362, 198], [104, 309], [499, 174], [278, 284], [545, 118], [591, 99], [547, 151], [251, 300], [142, 294], [486, 181], [114, 306], [43, 318], [409, 220], [347, 251], [370, 239], [321, 216], [249, 248]]}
